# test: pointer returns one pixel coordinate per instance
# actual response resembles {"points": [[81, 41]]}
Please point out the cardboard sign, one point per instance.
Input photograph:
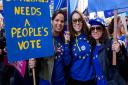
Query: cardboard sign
{"points": [[28, 29]]}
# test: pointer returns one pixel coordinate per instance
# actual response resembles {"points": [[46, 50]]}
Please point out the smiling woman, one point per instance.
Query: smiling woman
{"points": [[81, 69], [58, 24], [105, 72], [62, 57]]}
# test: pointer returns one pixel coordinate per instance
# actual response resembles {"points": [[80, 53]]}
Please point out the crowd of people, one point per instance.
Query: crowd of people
{"points": [[83, 55]]}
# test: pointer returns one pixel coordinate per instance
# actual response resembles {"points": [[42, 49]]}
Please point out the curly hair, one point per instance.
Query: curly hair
{"points": [[102, 39]]}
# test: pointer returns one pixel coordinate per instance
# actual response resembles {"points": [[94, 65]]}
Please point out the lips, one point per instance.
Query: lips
{"points": [[59, 28], [77, 26], [96, 35]]}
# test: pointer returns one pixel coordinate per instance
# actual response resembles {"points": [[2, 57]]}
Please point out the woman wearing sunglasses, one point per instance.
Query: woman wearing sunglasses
{"points": [[106, 73], [81, 69]]}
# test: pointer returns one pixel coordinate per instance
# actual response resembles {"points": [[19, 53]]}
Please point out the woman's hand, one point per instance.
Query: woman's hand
{"points": [[67, 36], [32, 63], [116, 46]]}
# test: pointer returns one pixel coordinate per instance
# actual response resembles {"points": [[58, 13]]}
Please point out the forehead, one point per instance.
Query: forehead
{"points": [[59, 16], [76, 15]]}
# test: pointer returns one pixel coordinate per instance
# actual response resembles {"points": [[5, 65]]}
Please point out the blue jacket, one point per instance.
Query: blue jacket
{"points": [[61, 59], [81, 64]]}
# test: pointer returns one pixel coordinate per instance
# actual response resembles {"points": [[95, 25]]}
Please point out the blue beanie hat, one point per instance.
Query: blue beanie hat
{"points": [[97, 21]]}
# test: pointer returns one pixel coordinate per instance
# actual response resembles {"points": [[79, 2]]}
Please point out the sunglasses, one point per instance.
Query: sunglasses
{"points": [[96, 27], [77, 20]]}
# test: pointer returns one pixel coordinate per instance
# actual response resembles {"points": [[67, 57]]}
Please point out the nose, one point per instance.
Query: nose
{"points": [[95, 30], [77, 22], [59, 22]]}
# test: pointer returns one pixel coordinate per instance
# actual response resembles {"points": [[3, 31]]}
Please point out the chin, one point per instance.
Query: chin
{"points": [[59, 30], [96, 38], [78, 30]]}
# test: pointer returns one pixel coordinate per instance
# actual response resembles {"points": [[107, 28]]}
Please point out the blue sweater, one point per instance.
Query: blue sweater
{"points": [[81, 64], [61, 59]]}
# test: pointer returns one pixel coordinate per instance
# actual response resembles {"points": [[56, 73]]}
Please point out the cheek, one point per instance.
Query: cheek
{"points": [[54, 26], [100, 34], [62, 24], [53, 23], [92, 35], [73, 25]]}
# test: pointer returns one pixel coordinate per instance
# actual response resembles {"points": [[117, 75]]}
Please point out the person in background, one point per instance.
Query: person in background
{"points": [[27, 79], [120, 29], [2, 53], [5, 70], [81, 68], [106, 73], [121, 36]]}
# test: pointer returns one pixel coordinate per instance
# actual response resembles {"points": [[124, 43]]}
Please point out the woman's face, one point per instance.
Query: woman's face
{"points": [[58, 23], [77, 22], [120, 24], [121, 27], [96, 32]]}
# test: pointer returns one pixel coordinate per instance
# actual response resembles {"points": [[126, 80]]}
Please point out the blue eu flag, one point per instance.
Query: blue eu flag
{"points": [[101, 5], [60, 4]]}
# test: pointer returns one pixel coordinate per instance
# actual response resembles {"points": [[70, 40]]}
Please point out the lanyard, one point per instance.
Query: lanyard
{"points": [[77, 44]]}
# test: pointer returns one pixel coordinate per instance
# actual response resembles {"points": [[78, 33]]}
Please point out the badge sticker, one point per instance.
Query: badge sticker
{"points": [[83, 47]]}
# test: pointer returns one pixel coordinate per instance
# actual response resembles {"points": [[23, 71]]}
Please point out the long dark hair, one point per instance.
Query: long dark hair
{"points": [[85, 29], [53, 17]]}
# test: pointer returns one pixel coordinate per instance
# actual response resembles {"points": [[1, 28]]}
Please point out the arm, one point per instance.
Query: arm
{"points": [[66, 48], [66, 57]]}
